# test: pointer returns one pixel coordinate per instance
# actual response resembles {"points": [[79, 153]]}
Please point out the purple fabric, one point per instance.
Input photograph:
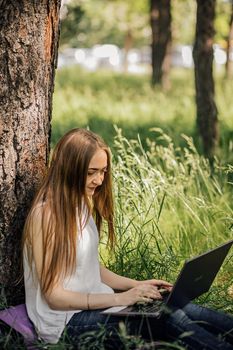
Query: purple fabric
{"points": [[17, 318]]}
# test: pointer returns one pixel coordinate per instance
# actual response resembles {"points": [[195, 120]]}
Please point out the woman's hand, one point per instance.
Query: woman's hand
{"points": [[143, 292], [159, 284]]}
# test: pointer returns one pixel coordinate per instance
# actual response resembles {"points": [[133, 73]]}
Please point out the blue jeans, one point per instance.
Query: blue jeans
{"points": [[194, 327]]}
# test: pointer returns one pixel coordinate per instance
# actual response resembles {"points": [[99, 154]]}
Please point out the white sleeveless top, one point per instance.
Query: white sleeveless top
{"points": [[49, 324]]}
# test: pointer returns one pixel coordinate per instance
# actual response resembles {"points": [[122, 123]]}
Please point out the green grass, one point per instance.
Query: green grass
{"points": [[101, 99], [169, 207]]}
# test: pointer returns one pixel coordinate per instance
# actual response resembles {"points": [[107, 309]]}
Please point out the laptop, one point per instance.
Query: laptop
{"points": [[195, 279]]}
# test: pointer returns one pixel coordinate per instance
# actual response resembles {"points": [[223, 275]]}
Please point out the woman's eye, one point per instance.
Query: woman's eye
{"points": [[102, 172]]}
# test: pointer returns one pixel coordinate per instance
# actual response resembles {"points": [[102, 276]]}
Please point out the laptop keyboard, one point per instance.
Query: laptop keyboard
{"points": [[152, 307]]}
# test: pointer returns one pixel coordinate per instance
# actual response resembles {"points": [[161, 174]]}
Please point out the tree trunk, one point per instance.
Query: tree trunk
{"points": [[229, 62], [207, 120], [28, 52], [160, 19]]}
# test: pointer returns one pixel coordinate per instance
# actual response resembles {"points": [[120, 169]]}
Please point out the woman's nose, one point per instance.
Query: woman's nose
{"points": [[98, 179]]}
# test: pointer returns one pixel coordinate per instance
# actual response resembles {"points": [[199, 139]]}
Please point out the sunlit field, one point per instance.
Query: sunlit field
{"points": [[101, 99]]}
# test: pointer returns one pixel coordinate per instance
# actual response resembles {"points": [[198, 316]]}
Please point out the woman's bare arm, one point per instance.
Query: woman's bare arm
{"points": [[62, 299], [116, 281]]}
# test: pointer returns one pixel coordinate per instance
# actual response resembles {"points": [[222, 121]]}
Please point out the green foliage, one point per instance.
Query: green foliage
{"points": [[223, 12], [86, 23], [183, 16], [89, 22], [70, 23]]}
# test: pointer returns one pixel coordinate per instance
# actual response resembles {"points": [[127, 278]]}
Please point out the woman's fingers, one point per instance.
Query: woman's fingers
{"points": [[142, 293], [149, 291], [157, 283], [145, 300], [163, 283]]}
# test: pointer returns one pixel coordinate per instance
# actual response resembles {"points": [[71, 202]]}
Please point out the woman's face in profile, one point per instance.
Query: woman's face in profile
{"points": [[96, 171]]}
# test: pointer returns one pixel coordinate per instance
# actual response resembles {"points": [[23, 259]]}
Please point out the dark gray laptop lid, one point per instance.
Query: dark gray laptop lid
{"points": [[197, 275]]}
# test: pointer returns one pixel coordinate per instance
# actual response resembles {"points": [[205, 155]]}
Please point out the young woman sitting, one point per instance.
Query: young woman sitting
{"points": [[66, 285]]}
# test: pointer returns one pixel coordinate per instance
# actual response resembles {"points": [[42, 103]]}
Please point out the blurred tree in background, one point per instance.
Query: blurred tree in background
{"points": [[207, 120], [160, 19]]}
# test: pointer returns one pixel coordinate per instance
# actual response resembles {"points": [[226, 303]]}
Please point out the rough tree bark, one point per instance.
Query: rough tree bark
{"points": [[160, 20], [229, 63], [207, 120], [28, 51]]}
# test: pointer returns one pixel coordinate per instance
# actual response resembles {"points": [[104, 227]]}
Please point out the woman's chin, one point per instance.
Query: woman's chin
{"points": [[90, 193]]}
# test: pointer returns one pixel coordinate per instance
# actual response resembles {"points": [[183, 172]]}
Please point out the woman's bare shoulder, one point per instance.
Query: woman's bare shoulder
{"points": [[40, 212]]}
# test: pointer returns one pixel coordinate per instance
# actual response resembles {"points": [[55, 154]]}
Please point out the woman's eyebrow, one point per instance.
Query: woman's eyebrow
{"points": [[104, 168]]}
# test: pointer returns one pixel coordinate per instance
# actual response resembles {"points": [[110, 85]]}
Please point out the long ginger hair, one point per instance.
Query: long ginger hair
{"points": [[62, 200]]}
